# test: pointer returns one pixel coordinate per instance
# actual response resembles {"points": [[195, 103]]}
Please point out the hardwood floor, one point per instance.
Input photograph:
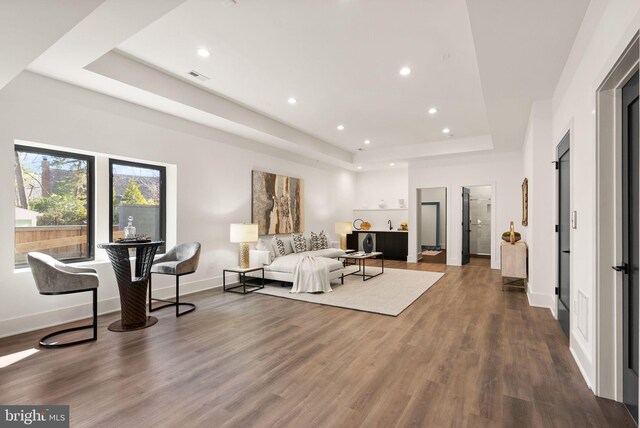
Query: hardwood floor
{"points": [[480, 261], [464, 354], [440, 259]]}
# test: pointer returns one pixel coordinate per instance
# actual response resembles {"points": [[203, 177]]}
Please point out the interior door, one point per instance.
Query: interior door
{"points": [[466, 226], [564, 233], [630, 237]]}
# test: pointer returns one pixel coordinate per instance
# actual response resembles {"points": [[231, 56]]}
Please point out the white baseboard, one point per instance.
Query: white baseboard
{"points": [[576, 352], [41, 320], [413, 258], [541, 300]]}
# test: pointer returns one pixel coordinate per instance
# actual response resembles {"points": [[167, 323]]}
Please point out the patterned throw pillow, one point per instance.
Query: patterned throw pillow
{"points": [[324, 243], [299, 243], [316, 243], [278, 247]]}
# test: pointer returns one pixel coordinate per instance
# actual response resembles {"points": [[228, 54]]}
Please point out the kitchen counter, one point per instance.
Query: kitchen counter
{"points": [[380, 231]]}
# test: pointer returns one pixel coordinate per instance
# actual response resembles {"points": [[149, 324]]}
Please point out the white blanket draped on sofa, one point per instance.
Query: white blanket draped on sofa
{"points": [[311, 275]]}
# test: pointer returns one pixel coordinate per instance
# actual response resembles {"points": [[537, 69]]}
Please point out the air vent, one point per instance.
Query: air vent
{"points": [[198, 76]]}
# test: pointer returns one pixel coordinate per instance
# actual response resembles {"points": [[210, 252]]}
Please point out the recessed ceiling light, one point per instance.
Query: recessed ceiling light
{"points": [[359, 167], [292, 100], [433, 110], [340, 127], [392, 164], [405, 71], [446, 131], [203, 52], [367, 141]]}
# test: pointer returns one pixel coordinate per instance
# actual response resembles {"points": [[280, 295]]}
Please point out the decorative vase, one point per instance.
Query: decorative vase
{"points": [[260, 245], [506, 236], [367, 243], [130, 229], [381, 203], [511, 236]]}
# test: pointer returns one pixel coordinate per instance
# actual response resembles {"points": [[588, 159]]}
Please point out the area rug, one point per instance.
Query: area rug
{"points": [[387, 294], [430, 253]]}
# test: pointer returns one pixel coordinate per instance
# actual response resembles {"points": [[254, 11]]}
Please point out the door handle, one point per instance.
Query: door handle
{"points": [[621, 268], [566, 251]]}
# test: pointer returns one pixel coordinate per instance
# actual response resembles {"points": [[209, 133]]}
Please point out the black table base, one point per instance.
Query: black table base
{"points": [[117, 325], [362, 266], [132, 288]]}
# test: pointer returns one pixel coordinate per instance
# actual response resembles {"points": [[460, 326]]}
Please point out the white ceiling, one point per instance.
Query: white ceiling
{"points": [[480, 63], [339, 59], [23, 37]]}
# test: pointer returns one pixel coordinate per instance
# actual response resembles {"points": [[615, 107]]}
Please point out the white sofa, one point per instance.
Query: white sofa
{"points": [[280, 268]]}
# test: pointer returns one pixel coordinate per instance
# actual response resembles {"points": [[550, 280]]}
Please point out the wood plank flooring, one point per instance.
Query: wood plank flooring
{"points": [[465, 354], [436, 261]]}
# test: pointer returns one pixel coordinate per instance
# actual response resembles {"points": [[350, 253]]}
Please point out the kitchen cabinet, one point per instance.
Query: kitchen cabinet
{"points": [[393, 244]]}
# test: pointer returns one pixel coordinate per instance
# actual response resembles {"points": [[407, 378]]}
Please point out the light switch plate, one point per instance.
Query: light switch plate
{"points": [[574, 219]]}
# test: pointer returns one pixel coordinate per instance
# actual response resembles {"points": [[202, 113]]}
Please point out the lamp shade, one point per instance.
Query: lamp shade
{"points": [[243, 232], [343, 228]]}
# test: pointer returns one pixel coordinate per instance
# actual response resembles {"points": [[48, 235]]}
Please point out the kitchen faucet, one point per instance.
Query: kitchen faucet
{"points": [[390, 227]]}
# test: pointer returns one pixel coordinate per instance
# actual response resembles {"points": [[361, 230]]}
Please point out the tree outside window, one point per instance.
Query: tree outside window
{"points": [[53, 208]]}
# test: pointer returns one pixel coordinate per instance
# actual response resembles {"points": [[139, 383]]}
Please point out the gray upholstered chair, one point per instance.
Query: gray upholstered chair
{"points": [[52, 278], [181, 260]]}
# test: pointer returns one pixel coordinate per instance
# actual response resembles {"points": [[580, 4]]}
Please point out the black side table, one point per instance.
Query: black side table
{"points": [[133, 289], [243, 280]]}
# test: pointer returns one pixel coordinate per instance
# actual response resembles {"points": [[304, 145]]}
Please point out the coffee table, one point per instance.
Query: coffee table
{"points": [[361, 259]]}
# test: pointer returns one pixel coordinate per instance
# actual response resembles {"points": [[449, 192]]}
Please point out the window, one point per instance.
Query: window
{"points": [[53, 204], [137, 193]]}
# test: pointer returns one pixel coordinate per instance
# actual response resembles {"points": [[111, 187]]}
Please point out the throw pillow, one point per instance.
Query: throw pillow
{"points": [[278, 247], [324, 242], [316, 243], [299, 243]]}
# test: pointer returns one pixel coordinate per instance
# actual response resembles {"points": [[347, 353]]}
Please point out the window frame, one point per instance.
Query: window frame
{"points": [[163, 196], [90, 160]]}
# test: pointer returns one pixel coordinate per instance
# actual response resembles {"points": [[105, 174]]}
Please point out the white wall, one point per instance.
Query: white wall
{"points": [[373, 186], [539, 152], [502, 171], [428, 222], [389, 185], [606, 31], [213, 186]]}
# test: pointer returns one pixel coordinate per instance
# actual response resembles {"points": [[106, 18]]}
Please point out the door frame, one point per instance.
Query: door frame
{"points": [[465, 229], [568, 133], [608, 208], [437, 205], [495, 252], [416, 231]]}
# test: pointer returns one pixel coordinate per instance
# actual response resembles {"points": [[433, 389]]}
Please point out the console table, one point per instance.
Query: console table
{"points": [[513, 264], [132, 288]]}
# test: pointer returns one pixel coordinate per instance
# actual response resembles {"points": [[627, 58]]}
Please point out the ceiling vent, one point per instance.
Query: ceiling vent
{"points": [[198, 76]]}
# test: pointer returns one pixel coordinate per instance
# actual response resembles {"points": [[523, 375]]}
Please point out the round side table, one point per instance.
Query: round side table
{"points": [[132, 288]]}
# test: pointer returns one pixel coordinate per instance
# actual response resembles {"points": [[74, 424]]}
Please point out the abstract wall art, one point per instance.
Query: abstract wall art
{"points": [[277, 203]]}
